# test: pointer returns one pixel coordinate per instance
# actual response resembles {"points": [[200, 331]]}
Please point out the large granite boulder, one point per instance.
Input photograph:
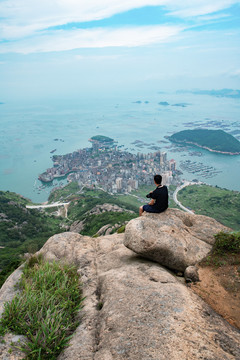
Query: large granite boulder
{"points": [[135, 309], [174, 238]]}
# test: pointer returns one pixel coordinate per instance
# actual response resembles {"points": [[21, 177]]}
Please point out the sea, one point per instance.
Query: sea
{"points": [[32, 131]]}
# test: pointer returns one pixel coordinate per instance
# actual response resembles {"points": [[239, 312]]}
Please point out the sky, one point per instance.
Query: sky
{"points": [[70, 48]]}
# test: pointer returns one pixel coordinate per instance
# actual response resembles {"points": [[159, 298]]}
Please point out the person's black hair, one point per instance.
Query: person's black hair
{"points": [[158, 179]]}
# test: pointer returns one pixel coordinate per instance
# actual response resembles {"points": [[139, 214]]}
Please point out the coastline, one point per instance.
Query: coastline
{"points": [[205, 147]]}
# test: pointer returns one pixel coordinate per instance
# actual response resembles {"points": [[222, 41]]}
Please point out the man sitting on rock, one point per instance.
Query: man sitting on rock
{"points": [[159, 196]]}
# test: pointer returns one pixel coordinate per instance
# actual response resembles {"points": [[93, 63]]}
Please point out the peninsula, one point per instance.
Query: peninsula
{"points": [[213, 140], [107, 166]]}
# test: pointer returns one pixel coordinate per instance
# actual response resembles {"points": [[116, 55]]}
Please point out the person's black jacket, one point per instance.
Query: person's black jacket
{"points": [[160, 195]]}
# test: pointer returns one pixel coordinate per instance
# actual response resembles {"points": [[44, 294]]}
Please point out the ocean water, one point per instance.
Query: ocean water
{"points": [[28, 133]]}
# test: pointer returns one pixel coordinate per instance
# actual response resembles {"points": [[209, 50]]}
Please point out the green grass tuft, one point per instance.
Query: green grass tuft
{"points": [[121, 229], [46, 308], [227, 242], [225, 251]]}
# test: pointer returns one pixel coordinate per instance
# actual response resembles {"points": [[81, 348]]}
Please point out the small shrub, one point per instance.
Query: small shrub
{"points": [[32, 261], [227, 243]]}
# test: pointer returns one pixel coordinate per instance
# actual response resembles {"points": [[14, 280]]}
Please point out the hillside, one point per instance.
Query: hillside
{"points": [[212, 140], [21, 230], [220, 204], [91, 209]]}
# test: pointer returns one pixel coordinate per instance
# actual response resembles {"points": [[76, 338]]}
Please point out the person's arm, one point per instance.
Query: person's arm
{"points": [[153, 194], [152, 202]]}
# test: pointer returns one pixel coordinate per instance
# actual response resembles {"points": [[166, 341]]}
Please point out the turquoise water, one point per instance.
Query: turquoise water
{"points": [[27, 133]]}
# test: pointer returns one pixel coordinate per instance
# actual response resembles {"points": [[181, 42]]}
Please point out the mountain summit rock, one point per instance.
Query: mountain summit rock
{"points": [[135, 308], [173, 238]]}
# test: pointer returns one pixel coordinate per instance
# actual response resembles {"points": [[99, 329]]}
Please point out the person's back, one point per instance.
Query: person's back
{"points": [[159, 196]]}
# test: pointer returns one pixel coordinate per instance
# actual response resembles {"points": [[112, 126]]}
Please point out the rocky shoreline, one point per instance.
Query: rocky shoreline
{"points": [[207, 148]]}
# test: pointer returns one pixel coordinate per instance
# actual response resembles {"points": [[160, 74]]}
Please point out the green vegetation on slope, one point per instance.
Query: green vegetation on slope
{"points": [[225, 242], [220, 204], [95, 222], [21, 230], [86, 199], [225, 252], [83, 203], [217, 140], [66, 193], [45, 310]]}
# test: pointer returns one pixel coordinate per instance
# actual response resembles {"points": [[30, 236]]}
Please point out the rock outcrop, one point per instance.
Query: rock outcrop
{"points": [[99, 209], [174, 238], [136, 309], [78, 226], [10, 341]]}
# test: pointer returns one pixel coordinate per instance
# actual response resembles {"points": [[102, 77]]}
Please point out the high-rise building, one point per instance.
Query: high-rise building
{"points": [[133, 184], [172, 165], [163, 158], [167, 178], [119, 183]]}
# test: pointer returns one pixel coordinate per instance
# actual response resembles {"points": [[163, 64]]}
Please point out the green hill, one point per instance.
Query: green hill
{"points": [[84, 208], [220, 204], [213, 140], [21, 230]]}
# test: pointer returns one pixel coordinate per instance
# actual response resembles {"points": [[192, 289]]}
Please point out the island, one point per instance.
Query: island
{"points": [[163, 103], [228, 93], [181, 104], [213, 140], [101, 139]]}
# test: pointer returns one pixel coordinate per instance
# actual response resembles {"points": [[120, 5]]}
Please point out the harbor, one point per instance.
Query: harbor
{"points": [[199, 168]]}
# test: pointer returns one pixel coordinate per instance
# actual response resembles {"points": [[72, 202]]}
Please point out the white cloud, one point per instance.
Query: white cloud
{"points": [[25, 23], [192, 8], [24, 17], [214, 17], [93, 38], [97, 57], [234, 73]]}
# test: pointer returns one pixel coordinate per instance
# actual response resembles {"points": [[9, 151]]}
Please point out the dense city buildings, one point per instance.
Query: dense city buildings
{"points": [[110, 168]]}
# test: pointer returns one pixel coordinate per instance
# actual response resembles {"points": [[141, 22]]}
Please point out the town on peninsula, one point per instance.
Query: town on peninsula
{"points": [[114, 170]]}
